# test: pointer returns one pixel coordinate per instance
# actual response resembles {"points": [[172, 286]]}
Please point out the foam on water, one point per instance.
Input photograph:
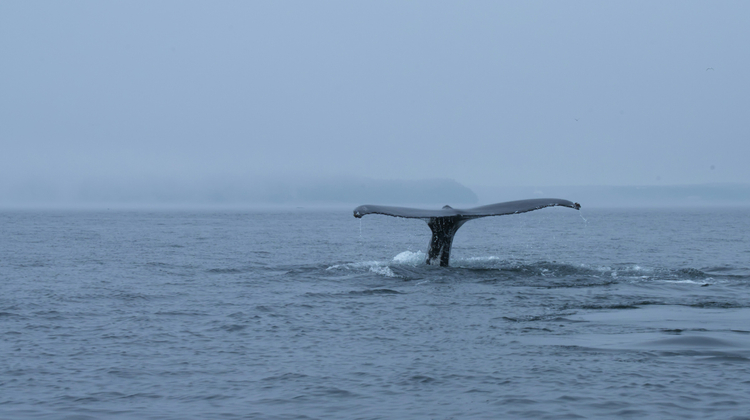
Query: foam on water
{"points": [[355, 265], [552, 270], [406, 258], [409, 258], [376, 267], [382, 270], [686, 282]]}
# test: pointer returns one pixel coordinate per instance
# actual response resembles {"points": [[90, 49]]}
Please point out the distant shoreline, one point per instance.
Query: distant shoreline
{"points": [[346, 192]]}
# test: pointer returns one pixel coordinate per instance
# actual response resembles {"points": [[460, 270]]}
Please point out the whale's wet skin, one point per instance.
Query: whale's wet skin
{"points": [[314, 314]]}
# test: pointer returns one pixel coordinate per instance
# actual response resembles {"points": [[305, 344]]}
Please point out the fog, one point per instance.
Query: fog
{"points": [[210, 96]]}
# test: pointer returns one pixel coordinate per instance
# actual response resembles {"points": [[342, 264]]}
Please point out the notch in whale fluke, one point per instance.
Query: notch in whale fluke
{"points": [[444, 223]]}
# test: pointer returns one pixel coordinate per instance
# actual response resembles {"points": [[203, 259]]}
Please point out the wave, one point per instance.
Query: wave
{"points": [[406, 258], [409, 265]]}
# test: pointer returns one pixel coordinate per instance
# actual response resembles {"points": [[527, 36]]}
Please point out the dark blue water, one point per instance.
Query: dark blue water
{"points": [[296, 314]]}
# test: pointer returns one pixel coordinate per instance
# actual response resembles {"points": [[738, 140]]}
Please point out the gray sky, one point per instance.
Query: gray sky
{"points": [[486, 93]]}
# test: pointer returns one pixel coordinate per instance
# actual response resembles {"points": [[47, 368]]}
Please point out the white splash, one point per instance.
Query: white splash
{"points": [[382, 270], [481, 259], [685, 282], [376, 267], [477, 262], [355, 265], [409, 258]]}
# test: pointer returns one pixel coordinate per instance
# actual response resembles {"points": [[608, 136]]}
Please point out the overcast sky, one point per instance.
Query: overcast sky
{"points": [[487, 93]]}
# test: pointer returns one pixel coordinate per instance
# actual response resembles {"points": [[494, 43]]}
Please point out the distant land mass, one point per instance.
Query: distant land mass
{"points": [[396, 191], [239, 191]]}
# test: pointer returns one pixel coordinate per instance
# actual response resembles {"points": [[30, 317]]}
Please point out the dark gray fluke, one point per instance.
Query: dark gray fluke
{"points": [[445, 222]]}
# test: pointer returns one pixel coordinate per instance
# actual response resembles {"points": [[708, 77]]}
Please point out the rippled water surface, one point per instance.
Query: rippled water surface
{"points": [[312, 314]]}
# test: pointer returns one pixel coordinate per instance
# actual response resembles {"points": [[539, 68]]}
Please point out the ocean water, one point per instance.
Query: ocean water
{"points": [[313, 314]]}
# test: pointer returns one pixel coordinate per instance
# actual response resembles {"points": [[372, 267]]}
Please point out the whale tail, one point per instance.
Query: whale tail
{"points": [[443, 229], [444, 223]]}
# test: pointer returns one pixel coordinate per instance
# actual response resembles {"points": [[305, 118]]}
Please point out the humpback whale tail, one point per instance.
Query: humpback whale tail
{"points": [[444, 223]]}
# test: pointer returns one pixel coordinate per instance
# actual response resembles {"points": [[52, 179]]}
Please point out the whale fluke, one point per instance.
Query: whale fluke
{"points": [[445, 222]]}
